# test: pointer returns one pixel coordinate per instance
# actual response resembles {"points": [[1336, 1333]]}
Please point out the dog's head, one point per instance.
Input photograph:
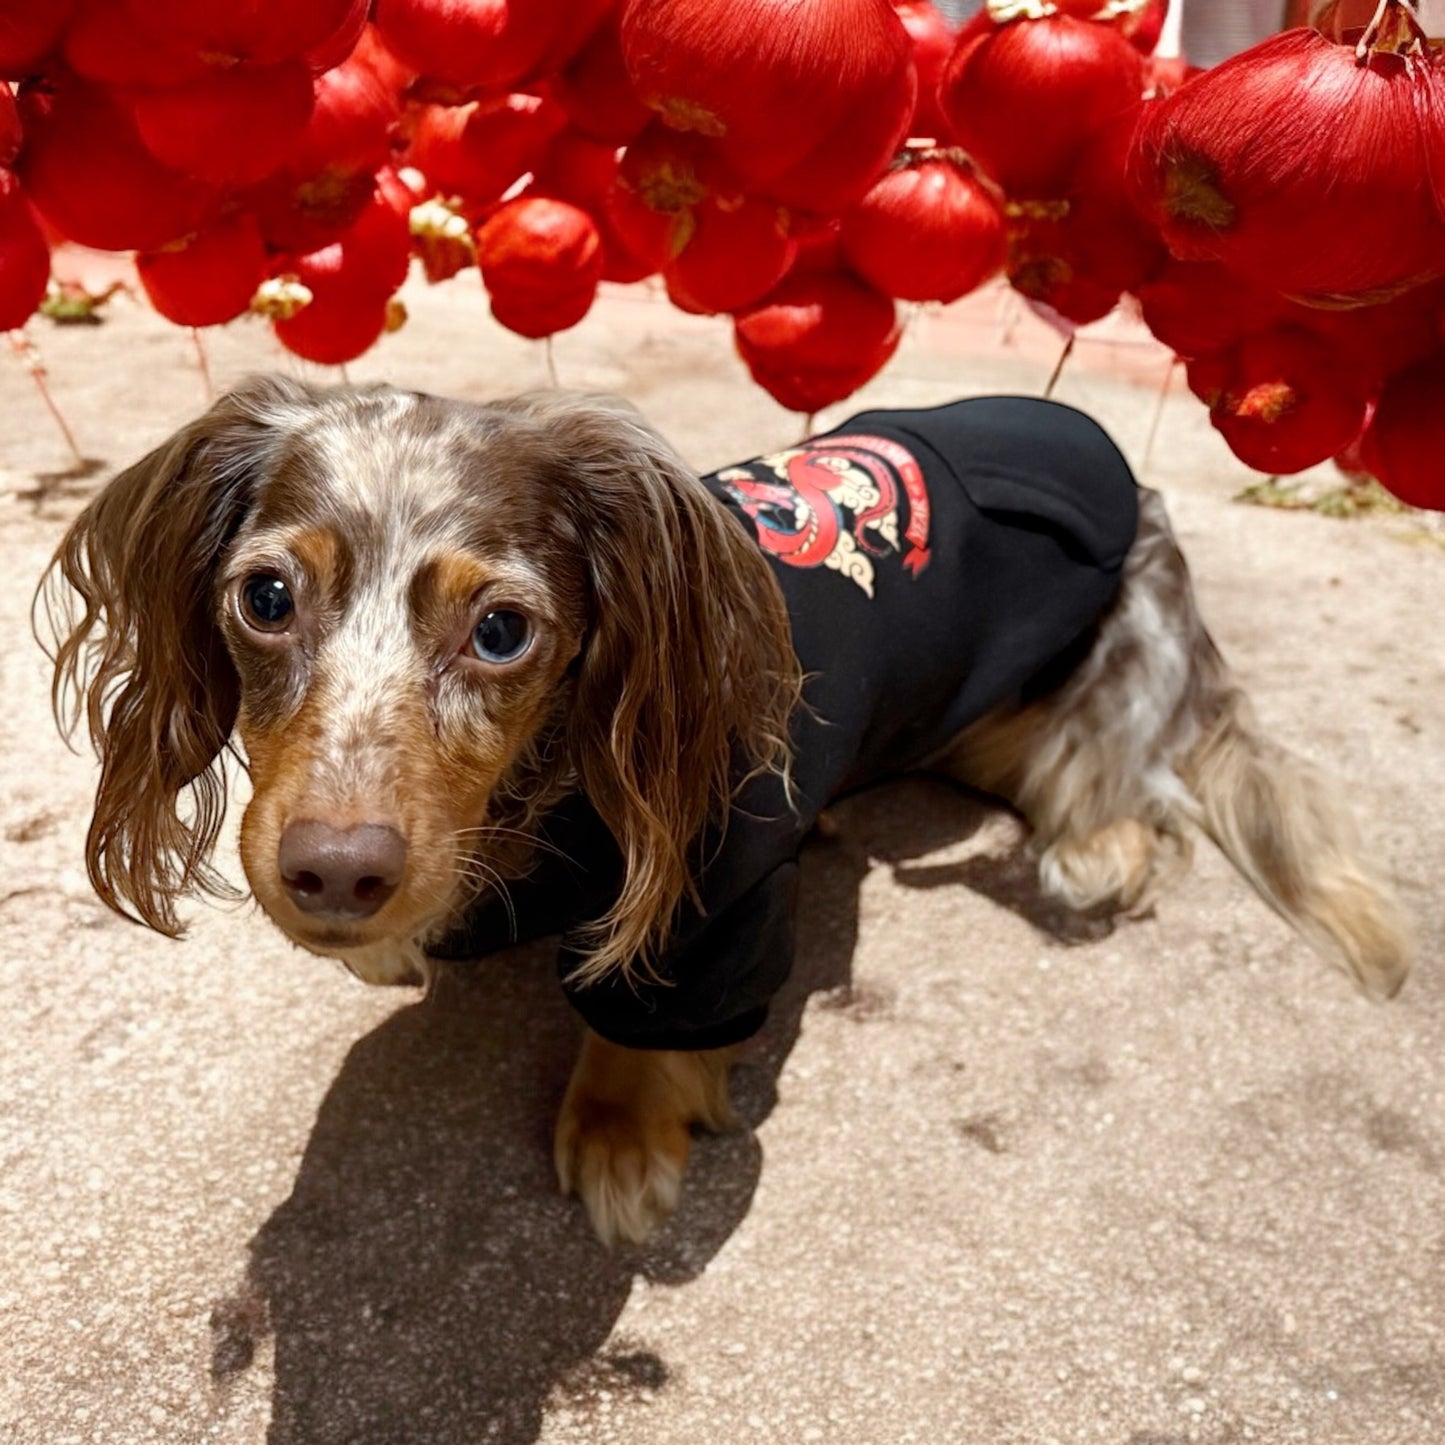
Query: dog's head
{"points": [[424, 622]]}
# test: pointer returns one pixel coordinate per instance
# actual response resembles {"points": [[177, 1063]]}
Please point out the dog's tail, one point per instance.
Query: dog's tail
{"points": [[1149, 732], [1282, 827]]}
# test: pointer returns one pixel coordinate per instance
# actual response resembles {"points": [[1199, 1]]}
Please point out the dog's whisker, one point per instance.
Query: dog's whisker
{"points": [[474, 871], [496, 830]]}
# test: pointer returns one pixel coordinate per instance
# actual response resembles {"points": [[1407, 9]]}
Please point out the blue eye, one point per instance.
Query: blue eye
{"points": [[266, 602], [501, 636]]}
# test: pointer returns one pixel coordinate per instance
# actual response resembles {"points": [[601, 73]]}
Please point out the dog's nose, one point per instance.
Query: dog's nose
{"points": [[341, 872]]}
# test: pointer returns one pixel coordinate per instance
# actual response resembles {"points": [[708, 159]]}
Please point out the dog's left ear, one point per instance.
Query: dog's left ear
{"points": [[141, 656], [687, 678]]}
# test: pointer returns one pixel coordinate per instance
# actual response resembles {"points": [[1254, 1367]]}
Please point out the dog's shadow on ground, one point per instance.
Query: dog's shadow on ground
{"points": [[424, 1281]]}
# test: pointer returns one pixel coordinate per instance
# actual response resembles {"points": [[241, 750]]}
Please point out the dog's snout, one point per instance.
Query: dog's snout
{"points": [[341, 872]]}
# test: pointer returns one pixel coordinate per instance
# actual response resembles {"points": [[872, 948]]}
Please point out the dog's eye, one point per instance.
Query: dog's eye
{"points": [[266, 602], [501, 636]]}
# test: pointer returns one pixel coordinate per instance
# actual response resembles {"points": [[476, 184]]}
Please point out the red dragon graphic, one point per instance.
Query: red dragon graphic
{"points": [[809, 516]]}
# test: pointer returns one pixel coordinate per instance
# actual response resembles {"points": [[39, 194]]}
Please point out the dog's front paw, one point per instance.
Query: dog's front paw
{"points": [[624, 1133], [626, 1170]]}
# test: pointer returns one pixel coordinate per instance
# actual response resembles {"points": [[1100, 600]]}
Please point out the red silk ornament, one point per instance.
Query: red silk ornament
{"points": [[486, 47], [540, 260], [804, 131], [1302, 168], [927, 231], [262, 31], [1284, 400], [88, 173], [817, 338], [208, 279], [229, 127], [1024, 98], [1406, 438], [477, 152]]}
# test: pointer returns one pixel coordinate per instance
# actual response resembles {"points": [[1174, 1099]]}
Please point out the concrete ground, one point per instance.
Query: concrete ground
{"points": [[1008, 1178]]}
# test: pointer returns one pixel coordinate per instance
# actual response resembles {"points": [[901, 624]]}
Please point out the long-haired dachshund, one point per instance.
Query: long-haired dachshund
{"points": [[512, 669]]}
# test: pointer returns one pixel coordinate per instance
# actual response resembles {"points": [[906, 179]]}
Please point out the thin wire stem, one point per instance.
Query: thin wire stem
{"points": [[204, 362], [29, 355], [1158, 416], [1064, 355]]}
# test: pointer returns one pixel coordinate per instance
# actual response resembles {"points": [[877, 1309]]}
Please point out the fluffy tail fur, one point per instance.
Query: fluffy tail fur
{"points": [[1147, 733], [1282, 826]]}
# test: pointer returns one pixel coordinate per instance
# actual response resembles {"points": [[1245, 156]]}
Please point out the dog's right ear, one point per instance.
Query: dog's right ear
{"points": [[138, 653]]}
